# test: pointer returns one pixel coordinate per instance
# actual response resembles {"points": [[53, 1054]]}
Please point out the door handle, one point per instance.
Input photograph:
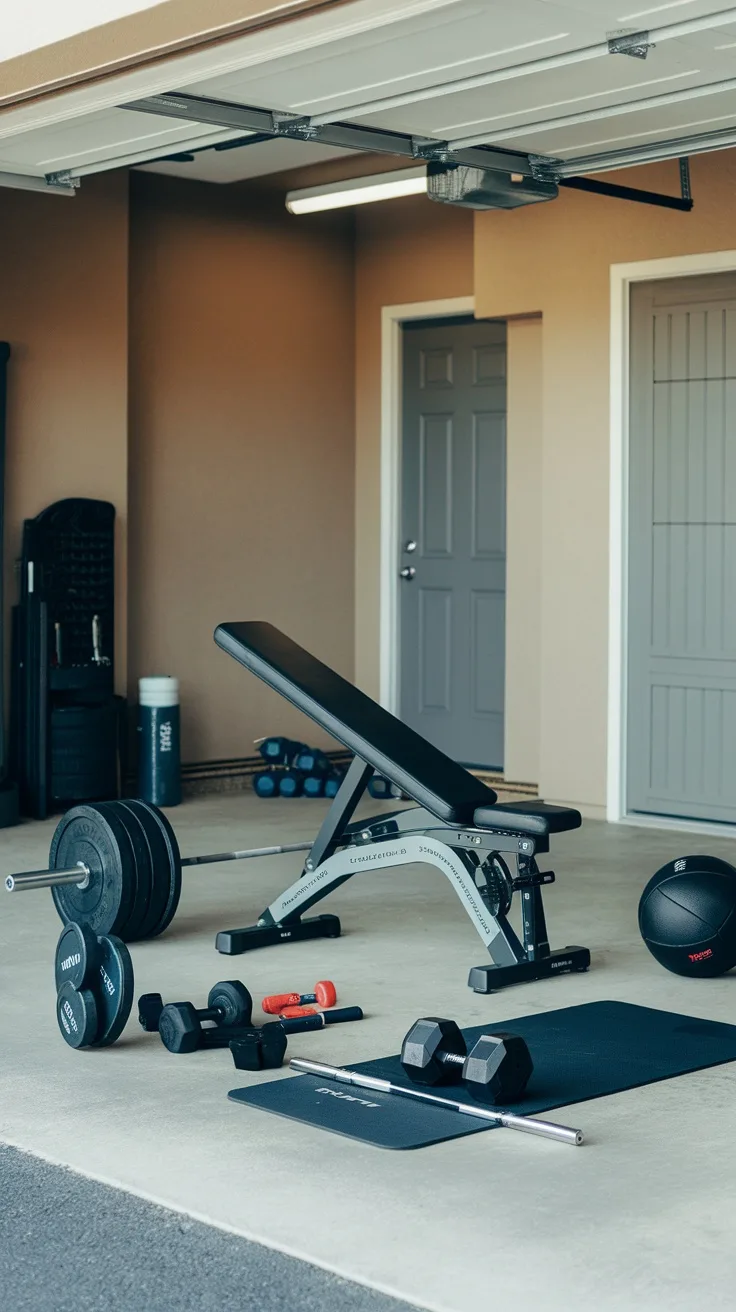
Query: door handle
{"points": [[407, 572]]}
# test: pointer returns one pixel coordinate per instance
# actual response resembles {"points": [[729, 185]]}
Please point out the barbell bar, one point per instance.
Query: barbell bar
{"points": [[80, 874], [116, 867]]}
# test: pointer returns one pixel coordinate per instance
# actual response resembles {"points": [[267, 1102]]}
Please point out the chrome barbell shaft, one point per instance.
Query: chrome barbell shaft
{"points": [[80, 874], [244, 856], [510, 1120]]}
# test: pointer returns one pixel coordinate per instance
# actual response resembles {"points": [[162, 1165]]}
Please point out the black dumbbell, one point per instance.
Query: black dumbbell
{"points": [[312, 761], [382, 789], [266, 783], [291, 783], [333, 781], [181, 1024], [280, 751], [496, 1069], [259, 1049]]}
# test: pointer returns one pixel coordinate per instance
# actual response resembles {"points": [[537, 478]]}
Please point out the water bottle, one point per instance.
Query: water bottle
{"points": [[159, 760]]}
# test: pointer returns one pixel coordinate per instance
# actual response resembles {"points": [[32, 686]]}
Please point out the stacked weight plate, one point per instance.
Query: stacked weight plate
{"points": [[94, 987], [133, 858]]}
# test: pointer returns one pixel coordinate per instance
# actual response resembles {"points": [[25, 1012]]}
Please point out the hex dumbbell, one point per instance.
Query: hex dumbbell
{"points": [[496, 1069], [259, 1049], [181, 1024], [324, 994]]}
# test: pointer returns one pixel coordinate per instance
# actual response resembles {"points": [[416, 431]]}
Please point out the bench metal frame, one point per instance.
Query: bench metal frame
{"points": [[409, 836]]}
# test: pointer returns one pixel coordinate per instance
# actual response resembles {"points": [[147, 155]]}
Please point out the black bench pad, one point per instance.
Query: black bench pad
{"points": [[538, 819], [420, 770]]}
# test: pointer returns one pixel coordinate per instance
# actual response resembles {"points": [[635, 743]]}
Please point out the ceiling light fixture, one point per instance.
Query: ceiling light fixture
{"points": [[358, 191]]}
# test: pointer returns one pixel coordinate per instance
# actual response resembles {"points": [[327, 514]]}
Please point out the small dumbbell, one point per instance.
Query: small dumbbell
{"points": [[280, 751], [314, 785], [258, 1050], [325, 995], [312, 761], [180, 1024], [496, 1069], [382, 789], [332, 782], [301, 1020], [291, 783], [266, 783]]}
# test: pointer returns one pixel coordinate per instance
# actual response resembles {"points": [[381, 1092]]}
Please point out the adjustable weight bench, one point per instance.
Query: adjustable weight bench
{"points": [[456, 823]]}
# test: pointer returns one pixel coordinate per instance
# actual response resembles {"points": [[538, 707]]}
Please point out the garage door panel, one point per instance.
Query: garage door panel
{"points": [[682, 580], [115, 133]]}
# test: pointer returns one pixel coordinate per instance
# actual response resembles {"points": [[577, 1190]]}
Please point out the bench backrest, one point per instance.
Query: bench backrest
{"points": [[420, 770]]}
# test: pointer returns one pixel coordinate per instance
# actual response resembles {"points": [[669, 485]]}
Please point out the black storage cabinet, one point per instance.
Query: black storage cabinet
{"points": [[68, 728]]}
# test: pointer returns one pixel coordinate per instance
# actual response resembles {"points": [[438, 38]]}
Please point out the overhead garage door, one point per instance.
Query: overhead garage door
{"points": [[682, 575]]}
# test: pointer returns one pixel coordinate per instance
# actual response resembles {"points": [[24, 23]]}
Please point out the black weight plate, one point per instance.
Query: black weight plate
{"points": [[129, 830], [77, 956], [233, 1000], [160, 866], [113, 990], [139, 912], [76, 1014], [85, 834], [172, 847]]}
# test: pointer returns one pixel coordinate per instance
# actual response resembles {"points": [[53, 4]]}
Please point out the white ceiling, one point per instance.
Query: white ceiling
{"points": [[393, 66]]}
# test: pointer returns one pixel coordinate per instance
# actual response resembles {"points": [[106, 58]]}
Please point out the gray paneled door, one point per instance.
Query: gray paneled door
{"points": [[682, 575], [453, 580]]}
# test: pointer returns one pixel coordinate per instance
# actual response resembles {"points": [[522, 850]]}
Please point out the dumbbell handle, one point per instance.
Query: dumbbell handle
{"points": [[318, 1019], [510, 1120], [220, 1036], [452, 1059]]}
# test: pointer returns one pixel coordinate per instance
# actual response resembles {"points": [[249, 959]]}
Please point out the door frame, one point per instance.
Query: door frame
{"points": [[392, 318], [622, 278]]}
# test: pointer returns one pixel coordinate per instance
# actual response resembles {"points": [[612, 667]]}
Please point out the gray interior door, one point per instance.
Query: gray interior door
{"points": [[682, 574], [452, 556]]}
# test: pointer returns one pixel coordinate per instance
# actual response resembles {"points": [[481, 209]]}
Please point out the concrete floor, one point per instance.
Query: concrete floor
{"points": [[643, 1215]]}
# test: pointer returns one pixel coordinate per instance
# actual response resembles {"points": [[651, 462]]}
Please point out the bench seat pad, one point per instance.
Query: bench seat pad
{"points": [[537, 819]]}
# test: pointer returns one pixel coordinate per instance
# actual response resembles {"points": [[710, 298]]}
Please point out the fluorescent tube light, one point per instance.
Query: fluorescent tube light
{"points": [[358, 191]]}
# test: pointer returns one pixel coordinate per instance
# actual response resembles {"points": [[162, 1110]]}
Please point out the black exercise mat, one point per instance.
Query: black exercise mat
{"points": [[578, 1052]]}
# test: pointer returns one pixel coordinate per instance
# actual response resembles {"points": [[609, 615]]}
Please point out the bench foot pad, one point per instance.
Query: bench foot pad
{"points": [[486, 979], [234, 941]]}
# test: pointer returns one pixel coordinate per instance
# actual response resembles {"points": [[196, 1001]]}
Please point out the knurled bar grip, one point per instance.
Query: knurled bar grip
{"points": [[79, 874], [244, 856]]}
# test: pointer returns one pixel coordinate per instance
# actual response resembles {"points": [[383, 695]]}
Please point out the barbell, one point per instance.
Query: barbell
{"points": [[116, 867]]}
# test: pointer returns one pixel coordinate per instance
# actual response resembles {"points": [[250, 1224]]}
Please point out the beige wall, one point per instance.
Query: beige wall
{"points": [[523, 549], [406, 250], [63, 308], [241, 446], [555, 259]]}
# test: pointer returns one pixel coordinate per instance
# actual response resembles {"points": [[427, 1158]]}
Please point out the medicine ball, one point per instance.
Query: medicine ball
{"points": [[687, 916]]}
